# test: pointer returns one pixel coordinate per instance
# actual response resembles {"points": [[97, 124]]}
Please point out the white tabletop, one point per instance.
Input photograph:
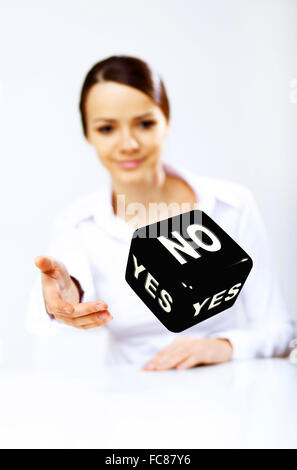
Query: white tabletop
{"points": [[244, 404]]}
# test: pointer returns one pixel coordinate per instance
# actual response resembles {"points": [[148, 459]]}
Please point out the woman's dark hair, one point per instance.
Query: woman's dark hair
{"points": [[129, 71]]}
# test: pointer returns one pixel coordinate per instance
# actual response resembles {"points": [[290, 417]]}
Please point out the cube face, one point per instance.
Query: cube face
{"points": [[186, 269]]}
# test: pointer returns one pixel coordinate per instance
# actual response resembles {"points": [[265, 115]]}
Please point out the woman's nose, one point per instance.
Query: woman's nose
{"points": [[128, 143]]}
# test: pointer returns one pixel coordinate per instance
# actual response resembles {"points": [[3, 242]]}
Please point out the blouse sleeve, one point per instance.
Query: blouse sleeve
{"points": [[269, 327], [66, 246]]}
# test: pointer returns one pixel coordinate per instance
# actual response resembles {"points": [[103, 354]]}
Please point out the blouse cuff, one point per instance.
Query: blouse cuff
{"points": [[271, 341]]}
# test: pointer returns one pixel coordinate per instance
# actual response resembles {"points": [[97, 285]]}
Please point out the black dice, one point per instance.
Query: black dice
{"points": [[186, 269]]}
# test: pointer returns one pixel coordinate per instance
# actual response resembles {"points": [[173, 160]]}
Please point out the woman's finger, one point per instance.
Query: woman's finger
{"points": [[86, 308], [87, 327], [167, 362], [42, 263], [189, 362], [46, 264], [172, 349], [171, 362], [95, 319]]}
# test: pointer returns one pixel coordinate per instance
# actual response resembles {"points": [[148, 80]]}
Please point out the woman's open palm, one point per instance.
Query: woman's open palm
{"points": [[61, 297]]}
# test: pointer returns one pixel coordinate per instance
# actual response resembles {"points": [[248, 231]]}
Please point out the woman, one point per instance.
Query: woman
{"points": [[125, 115]]}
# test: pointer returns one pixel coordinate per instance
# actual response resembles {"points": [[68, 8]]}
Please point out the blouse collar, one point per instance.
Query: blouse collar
{"points": [[118, 228]]}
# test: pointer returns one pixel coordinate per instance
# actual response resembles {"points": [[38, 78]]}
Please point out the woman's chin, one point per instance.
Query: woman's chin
{"points": [[136, 175]]}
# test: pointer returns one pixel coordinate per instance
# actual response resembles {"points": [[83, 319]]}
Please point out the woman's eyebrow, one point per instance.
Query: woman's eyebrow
{"points": [[114, 120]]}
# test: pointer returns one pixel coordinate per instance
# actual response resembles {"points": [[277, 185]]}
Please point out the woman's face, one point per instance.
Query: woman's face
{"points": [[127, 130]]}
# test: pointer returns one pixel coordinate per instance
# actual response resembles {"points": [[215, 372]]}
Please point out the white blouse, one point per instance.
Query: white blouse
{"points": [[94, 245]]}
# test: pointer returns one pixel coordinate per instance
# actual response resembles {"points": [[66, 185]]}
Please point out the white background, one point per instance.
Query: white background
{"points": [[230, 69]]}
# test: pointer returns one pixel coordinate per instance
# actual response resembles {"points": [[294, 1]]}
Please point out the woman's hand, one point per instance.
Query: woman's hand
{"points": [[185, 352], [61, 297]]}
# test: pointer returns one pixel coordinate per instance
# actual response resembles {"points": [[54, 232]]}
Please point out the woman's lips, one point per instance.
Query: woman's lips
{"points": [[130, 163]]}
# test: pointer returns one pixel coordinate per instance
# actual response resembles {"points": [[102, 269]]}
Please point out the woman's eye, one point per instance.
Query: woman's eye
{"points": [[144, 124], [104, 129], [147, 124]]}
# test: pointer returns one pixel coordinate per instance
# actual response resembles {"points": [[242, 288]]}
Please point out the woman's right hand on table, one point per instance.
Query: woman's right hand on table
{"points": [[61, 297]]}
